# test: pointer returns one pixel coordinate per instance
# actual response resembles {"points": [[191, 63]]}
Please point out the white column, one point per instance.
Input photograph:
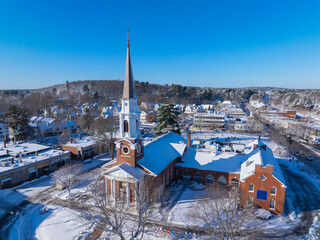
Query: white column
{"points": [[114, 191], [128, 193], [136, 192], [106, 183]]}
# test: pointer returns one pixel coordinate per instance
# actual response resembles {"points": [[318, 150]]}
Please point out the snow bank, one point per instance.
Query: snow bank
{"points": [[263, 214]]}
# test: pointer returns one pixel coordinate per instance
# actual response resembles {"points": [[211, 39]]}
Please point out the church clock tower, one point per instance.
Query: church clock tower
{"points": [[129, 145]]}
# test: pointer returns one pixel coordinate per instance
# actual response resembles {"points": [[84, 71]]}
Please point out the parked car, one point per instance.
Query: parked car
{"points": [[309, 157]]}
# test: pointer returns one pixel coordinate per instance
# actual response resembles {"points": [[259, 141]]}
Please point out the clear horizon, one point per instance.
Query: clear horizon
{"points": [[215, 44]]}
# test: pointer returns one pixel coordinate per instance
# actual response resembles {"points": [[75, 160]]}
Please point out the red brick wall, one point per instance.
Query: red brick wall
{"points": [[265, 186], [73, 150], [179, 171], [133, 156]]}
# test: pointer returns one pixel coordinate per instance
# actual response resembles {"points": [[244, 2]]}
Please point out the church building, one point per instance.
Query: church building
{"points": [[170, 157]]}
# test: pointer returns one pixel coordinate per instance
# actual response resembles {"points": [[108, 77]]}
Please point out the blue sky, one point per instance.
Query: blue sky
{"points": [[216, 43]]}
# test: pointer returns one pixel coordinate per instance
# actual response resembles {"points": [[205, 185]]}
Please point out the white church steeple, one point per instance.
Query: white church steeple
{"points": [[129, 115]]}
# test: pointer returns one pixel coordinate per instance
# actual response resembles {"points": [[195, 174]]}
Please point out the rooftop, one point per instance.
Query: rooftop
{"points": [[159, 153], [6, 164], [24, 148]]}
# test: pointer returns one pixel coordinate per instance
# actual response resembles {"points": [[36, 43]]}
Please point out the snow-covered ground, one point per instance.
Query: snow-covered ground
{"points": [[14, 196], [180, 212], [49, 223]]}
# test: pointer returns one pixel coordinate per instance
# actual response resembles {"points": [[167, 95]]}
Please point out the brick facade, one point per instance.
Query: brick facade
{"points": [[263, 185], [133, 155]]}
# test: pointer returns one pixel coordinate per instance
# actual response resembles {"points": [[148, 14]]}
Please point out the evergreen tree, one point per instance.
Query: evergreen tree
{"points": [[168, 117], [18, 122], [95, 96], [85, 88], [86, 120], [68, 85]]}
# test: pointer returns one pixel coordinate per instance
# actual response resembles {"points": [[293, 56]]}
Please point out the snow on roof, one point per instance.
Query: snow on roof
{"points": [[180, 147], [248, 167], [261, 157], [68, 123], [204, 159], [257, 104], [24, 148], [215, 114], [125, 169], [30, 159], [159, 153], [84, 142]]}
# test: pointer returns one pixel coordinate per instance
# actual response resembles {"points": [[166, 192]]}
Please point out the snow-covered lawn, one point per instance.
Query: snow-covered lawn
{"points": [[54, 223], [180, 212]]}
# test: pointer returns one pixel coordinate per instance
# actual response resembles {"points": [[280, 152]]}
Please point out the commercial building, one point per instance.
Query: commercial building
{"points": [[25, 161]]}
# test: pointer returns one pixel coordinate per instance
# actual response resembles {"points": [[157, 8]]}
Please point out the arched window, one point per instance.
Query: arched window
{"points": [[125, 126], [209, 179], [222, 181], [235, 182], [198, 178], [186, 177]]}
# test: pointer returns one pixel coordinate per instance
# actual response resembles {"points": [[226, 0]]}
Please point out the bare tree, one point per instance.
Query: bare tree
{"points": [[64, 136], [221, 214], [67, 176], [105, 128], [118, 219]]}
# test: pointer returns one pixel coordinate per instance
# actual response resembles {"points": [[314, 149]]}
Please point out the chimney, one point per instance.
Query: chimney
{"points": [[79, 136], [70, 140], [6, 138], [255, 146], [264, 147], [12, 160], [36, 153], [4, 143], [189, 139]]}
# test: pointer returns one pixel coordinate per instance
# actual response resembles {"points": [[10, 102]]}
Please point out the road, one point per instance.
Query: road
{"points": [[294, 147], [306, 196]]}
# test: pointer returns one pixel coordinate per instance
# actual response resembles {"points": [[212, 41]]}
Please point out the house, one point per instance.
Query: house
{"points": [[171, 157], [43, 126], [143, 116], [68, 125]]}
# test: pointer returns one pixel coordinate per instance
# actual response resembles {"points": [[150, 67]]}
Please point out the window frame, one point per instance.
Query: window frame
{"points": [[251, 184], [274, 204]]}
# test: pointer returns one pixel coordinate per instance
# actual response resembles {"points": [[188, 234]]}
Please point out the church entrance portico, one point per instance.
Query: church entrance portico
{"points": [[121, 190]]}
